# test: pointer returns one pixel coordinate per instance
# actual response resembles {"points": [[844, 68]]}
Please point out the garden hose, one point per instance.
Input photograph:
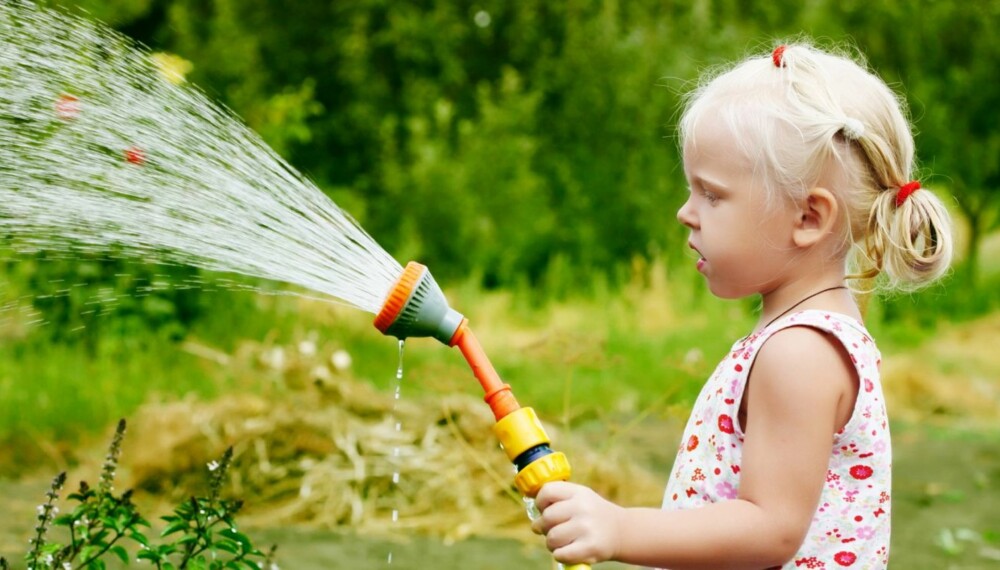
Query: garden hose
{"points": [[416, 307]]}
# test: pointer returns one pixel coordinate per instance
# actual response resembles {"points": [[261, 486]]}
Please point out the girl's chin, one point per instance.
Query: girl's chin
{"points": [[725, 290]]}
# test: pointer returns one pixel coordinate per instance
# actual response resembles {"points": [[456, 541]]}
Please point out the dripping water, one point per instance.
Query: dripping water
{"points": [[398, 427]]}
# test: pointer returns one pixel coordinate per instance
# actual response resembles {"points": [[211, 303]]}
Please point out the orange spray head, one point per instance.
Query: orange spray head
{"points": [[416, 307]]}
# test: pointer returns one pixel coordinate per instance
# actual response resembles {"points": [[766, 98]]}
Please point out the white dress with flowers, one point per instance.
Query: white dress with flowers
{"points": [[850, 528]]}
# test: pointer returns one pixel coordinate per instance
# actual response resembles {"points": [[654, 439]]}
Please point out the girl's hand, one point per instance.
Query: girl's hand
{"points": [[579, 525]]}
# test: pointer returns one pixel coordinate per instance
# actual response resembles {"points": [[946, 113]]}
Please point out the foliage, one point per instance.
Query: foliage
{"points": [[504, 139], [202, 531]]}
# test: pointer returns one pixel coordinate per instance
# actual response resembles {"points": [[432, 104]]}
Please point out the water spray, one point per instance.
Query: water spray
{"points": [[102, 148], [416, 307]]}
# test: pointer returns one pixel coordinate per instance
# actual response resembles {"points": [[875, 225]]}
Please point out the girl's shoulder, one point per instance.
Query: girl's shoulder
{"points": [[847, 330], [844, 327]]}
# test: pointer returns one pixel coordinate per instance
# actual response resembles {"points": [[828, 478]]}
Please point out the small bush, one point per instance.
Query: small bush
{"points": [[201, 533]]}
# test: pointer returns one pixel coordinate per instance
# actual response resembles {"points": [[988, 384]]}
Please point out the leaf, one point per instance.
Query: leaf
{"points": [[138, 537], [64, 520], [229, 546], [98, 537], [234, 534], [152, 555], [120, 552], [176, 526]]}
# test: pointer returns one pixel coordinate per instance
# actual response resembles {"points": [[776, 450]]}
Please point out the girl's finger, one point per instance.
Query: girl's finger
{"points": [[553, 493], [559, 537], [537, 526]]}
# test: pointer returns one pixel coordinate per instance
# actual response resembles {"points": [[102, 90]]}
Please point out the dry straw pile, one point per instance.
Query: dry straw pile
{"points": [[325, 450]]}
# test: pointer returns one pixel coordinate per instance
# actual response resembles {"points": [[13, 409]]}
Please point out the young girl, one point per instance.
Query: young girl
{"points": [[800, 165]]}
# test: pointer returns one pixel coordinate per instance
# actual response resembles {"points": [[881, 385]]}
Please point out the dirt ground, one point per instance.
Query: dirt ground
{"points": [[946, 489]]}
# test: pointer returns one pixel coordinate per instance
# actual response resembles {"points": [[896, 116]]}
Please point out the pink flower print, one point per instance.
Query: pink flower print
{"points": [[725, 424], [879, 446], [725, 490], [851, 495], [845, 558], [811, 562], [868, 385], [866, 532], [861, 472], [698, 475]]}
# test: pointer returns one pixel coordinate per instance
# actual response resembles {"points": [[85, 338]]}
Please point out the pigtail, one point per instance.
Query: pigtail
{"points": [[909, 238]]}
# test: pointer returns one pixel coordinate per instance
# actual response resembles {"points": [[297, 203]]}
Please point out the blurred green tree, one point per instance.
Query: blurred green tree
{"points": [[509, 140]]}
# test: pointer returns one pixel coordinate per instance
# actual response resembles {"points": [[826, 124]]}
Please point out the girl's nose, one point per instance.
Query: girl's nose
{"points": [[686, 215]]}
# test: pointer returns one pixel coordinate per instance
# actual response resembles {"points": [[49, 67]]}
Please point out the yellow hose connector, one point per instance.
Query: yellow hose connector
{"points": [[519, 431], [552, 467]]}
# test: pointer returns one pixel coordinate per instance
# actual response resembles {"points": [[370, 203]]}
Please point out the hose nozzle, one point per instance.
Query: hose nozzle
{"points": [[417, 307]]}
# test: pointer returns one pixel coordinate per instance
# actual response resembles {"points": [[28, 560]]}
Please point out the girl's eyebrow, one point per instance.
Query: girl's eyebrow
{"points": [[708, 181]]}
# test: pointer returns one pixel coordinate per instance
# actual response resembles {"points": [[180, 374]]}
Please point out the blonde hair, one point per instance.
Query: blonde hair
{"points": [[804, 116]]}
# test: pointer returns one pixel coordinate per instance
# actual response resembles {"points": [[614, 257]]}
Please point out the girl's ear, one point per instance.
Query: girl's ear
{"points": [[816, 218]]}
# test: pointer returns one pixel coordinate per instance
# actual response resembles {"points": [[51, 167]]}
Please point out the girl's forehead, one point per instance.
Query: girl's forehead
{"points": [[712, 138]]}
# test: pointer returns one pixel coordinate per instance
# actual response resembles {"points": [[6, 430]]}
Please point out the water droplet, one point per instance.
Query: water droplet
{"points": [[531, 508]]}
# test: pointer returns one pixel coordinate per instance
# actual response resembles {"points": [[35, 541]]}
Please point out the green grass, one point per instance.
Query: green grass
{"points": [[576, 359], [645, 348], [598, 359]]}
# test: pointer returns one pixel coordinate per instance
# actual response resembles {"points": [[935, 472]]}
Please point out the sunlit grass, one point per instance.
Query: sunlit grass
{"points": [[645, 348], [594, 363]]}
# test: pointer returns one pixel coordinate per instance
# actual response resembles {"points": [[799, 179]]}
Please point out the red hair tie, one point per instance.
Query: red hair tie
{"points": [[905, 190], [777, 54]]}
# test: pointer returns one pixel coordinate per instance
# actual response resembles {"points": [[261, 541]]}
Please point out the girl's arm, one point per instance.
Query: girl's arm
{"points": [[801, 391]]}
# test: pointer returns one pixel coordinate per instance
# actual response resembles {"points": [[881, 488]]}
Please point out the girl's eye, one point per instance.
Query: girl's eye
{"points": [[710, 196]]}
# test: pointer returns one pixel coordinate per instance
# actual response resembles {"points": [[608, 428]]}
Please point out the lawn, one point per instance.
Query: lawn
{"points": [[612, 375]]}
